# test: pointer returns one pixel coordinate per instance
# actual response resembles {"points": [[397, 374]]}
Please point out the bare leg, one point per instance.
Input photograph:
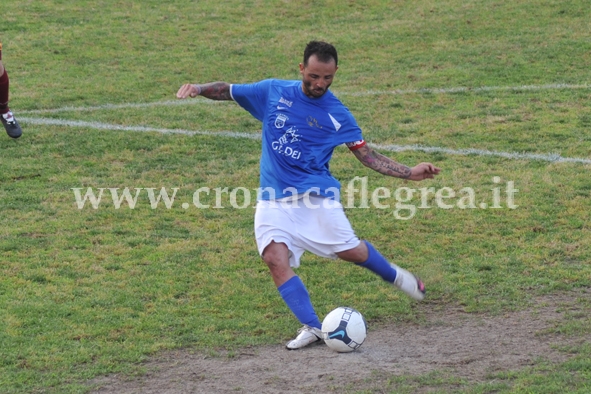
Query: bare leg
{"points": [[358, 254], [276, 256]]}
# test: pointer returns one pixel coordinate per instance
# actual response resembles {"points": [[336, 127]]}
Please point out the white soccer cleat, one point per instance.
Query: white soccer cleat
{"points": [[409, 283], [306, 336]]}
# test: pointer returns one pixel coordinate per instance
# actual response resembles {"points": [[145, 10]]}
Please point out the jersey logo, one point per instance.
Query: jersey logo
{"points": [[312, 122], [282, 147], [280, 120], [290, 136], [336, 124], [286, 102]]}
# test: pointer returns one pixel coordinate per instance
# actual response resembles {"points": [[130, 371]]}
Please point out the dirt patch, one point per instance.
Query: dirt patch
{"points": [[468, 346]]}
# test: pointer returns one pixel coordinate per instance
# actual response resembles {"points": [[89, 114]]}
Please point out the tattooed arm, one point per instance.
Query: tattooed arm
{"points": [[381, 163], [385, 165], [213, 90]]}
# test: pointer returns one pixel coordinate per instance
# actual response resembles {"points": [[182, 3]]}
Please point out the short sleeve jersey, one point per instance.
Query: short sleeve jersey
{"points": [[299, 135]]}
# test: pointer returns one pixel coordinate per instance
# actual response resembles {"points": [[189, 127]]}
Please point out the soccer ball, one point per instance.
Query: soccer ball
{"points": [[344, 329]]}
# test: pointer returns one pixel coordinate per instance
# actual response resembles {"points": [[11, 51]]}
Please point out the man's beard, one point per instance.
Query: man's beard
{"points": [[316, 93]]}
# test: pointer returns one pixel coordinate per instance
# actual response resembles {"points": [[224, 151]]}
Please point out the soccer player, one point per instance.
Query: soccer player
{"points": [[13, 129], [298, 205]]}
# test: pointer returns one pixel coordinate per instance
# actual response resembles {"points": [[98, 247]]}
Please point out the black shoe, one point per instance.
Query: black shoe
{"points": [[13, 129]]}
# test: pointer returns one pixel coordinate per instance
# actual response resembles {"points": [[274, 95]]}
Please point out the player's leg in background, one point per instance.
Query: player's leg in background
{"points": [[7, 118], [366, 256]]}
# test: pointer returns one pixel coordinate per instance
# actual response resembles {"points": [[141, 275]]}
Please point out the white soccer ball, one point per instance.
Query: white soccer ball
{"points": [[344, 329]]}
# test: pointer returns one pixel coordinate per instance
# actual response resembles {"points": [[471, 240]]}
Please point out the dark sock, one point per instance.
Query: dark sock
{"points": [[4, 93]]}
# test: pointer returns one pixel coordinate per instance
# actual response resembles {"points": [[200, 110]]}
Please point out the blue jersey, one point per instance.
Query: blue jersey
{"points": [[299, 135]]}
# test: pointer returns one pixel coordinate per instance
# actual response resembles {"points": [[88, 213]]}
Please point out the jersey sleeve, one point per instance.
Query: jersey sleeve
{"points": [[252, 97], [350, 133]]}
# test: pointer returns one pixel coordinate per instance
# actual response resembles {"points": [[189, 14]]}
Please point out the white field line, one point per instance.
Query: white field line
{"points": [[107, 126], [551, 157], [365, 93], [123, 105], [462, 89], [555, 158]]}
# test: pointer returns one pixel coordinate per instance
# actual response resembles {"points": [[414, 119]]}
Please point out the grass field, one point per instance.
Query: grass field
{"points": [[492, 92]]}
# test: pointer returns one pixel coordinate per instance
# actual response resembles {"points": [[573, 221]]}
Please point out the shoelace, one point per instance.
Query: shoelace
{"points": [[9, 117], [307, 328], [304, 328]]}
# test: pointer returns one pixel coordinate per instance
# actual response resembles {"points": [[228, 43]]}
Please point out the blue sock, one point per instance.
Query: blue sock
{"points": [[296, 297], [377, 264]]}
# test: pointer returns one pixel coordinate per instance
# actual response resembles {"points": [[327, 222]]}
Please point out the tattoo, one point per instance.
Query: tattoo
{"points": [[380, 163], [216, 91]]}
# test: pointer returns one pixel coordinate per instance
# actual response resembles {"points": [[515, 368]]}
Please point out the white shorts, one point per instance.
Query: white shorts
{"points": [[318, 225]]}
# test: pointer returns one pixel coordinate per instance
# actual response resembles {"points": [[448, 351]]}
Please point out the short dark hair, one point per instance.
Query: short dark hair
{"points": [[323, 50]]}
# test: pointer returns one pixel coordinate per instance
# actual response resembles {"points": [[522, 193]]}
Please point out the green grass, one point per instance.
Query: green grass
{"points": [[90, 292]]}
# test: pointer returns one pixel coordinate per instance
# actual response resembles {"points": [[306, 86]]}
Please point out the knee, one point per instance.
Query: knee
{"points": [[358, 254], [276, 255], [269, 258]]}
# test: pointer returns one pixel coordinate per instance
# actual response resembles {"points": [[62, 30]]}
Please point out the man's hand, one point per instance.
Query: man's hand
{"points": [[423, 171], [188, 90], [211, 90]]}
